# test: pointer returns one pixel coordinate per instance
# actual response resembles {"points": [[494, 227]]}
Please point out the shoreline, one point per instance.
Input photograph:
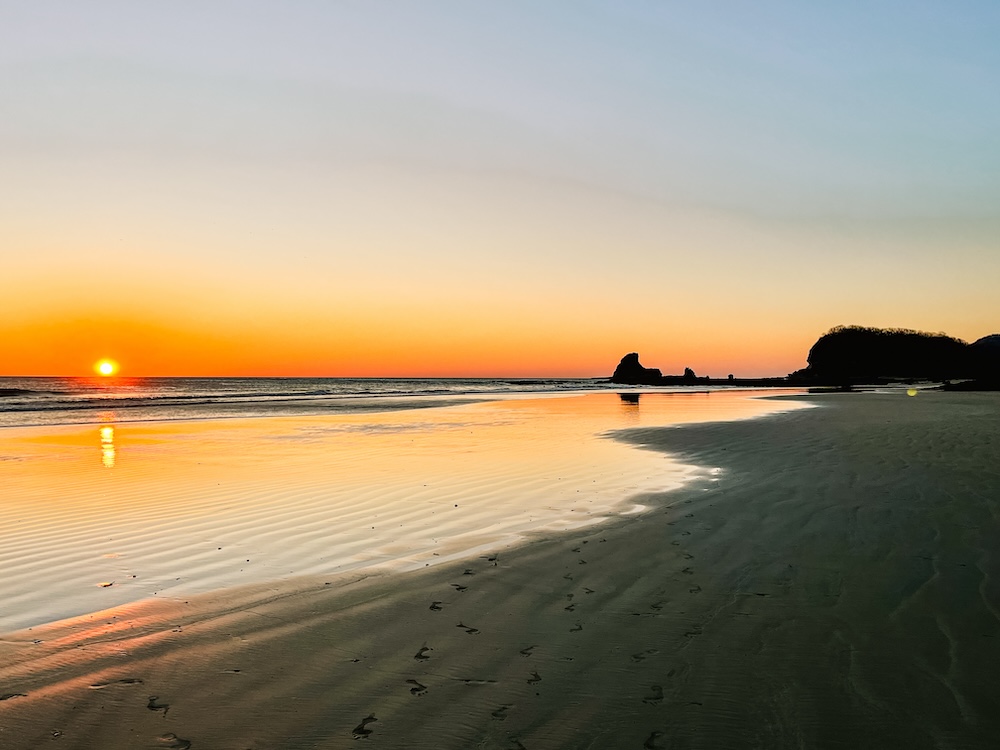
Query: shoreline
{"points": [[101, 516], [834, 585], [139, 411]]}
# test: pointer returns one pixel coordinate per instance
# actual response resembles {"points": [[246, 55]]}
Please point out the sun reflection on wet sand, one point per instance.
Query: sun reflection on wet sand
{"points": [[108, 447], [204, 505]]}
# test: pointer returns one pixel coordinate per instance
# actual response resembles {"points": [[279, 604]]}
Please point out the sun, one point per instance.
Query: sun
{"points": [[106, 367]]}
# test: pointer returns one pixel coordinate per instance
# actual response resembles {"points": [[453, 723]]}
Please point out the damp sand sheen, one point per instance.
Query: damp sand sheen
{"points": [[100, 515], [694, 570]]}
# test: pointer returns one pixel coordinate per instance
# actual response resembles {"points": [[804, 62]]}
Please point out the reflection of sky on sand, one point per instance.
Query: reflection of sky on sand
{"points": [[199, 505]]}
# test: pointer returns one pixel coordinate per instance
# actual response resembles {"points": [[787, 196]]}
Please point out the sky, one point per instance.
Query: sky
{"points": [[466, 188]]}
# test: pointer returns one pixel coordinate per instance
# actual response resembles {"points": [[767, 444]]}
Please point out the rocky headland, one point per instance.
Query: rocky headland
{"points": [[847, 356]]}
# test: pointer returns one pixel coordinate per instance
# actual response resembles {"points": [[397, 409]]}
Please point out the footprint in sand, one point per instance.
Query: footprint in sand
{"points": [[643, 655], [655, 695], [361, 731], [587, 591], [576, 628], [174, 742], [582, 562], [12, 696], [421, 654], [501, 713], [575, 549], [469, 630], [535, 677], [657, 606], [527, 651], [435, 607], [154, 706], [695, 590], [688, 571], [459, 588], [570, 608], [109, 683], [417, 688], [651, 741], [469, 572], [568, 577]]}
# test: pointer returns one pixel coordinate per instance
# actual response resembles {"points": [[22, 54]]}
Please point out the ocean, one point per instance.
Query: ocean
{"points": [[27, 402]]}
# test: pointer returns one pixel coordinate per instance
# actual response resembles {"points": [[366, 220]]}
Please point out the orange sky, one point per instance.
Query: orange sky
{"points": [[594, 279], [226, 198]]}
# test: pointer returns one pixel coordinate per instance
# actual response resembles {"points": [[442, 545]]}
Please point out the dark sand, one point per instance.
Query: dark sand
{"points": [[837, 585]]}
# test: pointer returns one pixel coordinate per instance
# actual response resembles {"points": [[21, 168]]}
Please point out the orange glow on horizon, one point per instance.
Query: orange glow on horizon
{"points": [[388, 346]]}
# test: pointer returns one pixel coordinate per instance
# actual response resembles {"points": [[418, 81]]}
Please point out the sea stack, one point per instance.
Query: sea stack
{"points": [[631, 372]]}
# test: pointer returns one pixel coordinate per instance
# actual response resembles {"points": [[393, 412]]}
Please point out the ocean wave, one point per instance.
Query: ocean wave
{"points": [[31, 401]]}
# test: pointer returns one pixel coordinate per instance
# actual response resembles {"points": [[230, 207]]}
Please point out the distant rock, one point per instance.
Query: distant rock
{"points": [[846, 356], [631, 372]]}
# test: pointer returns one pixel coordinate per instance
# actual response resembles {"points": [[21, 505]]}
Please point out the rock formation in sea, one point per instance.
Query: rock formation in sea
{"points": [[856, 355], [631, 372]]}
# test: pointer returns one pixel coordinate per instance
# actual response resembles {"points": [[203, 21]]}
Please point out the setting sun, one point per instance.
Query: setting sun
{"points": [[106, 367]]}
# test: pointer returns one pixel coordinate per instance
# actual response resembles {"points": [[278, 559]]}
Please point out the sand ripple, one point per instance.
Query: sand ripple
{"points": [[94, 517]]}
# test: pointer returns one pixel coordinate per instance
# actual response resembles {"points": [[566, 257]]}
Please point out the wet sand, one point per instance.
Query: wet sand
{"points": [[94, 516], [835, 584]]}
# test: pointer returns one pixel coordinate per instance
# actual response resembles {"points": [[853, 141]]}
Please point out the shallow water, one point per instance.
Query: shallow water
{"points": [[93, 516]]}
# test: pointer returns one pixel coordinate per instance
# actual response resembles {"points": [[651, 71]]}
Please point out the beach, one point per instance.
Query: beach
{"points": [[818, 577]]}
